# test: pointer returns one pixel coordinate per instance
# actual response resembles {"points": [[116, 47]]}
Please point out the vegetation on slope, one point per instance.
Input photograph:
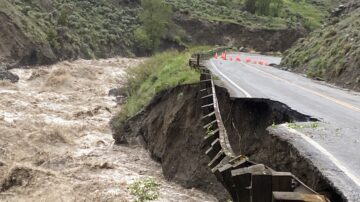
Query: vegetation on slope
{"points": [[68, 29], [155, 18], [331, 54], [162, 71], [277, 14], [77, 27]]}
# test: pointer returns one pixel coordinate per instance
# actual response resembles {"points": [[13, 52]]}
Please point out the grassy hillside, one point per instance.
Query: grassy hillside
{"points": [[65, 29], [79, 27], [308, 13], [332, 53]]}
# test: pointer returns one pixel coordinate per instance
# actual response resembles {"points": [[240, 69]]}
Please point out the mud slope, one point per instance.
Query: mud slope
{"points": [[171, 129], [56, 143]]}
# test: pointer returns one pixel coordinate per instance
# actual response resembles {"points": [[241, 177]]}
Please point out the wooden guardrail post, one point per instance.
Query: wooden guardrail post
{"points": [[245, 180]]}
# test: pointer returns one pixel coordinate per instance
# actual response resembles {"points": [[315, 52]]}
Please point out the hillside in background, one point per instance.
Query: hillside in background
{"points": [[44, 31], [331, 53], [281, 14]]}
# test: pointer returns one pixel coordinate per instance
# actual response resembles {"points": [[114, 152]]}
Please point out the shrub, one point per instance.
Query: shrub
{"points": [[63, 18], [145, 189], [142, 39]]}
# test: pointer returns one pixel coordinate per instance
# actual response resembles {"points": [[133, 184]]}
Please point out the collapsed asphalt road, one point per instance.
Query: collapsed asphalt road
{"points": [[333, 144]]}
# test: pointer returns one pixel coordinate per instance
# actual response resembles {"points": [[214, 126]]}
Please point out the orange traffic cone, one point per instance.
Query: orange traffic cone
{"points": [[238, 58], [247, 60], [216, 56]]}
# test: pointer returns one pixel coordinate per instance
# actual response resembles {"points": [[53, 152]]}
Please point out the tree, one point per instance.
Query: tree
{"points": [[155, 16], [142, 39]]}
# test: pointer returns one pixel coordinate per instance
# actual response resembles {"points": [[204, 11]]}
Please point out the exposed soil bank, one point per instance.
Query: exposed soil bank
{"points": [[231, 34], [251, 124], [170, 127]]}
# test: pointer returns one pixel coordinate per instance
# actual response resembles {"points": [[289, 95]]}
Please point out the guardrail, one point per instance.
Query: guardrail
{"points": [[245, 180], [195, 60]]}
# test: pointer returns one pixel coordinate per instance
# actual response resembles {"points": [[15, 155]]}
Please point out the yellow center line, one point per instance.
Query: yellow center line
{"points": [[342, 103]]}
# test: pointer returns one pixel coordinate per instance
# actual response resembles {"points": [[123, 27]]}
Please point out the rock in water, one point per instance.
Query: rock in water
{"points": [[6, 75]]}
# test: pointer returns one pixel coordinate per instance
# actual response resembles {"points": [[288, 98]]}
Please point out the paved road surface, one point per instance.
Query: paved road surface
{"points": [[337, 145]]}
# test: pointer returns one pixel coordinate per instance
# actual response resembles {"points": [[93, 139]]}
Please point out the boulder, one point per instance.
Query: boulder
{"points": [[6, 75]]}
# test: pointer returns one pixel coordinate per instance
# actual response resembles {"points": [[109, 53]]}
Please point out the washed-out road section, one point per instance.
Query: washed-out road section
{"points": [[332, 144]]}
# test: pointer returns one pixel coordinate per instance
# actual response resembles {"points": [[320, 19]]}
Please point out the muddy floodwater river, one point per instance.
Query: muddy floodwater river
{"points": [[56, 143]]}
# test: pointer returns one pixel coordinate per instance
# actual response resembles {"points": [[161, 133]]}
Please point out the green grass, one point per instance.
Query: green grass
{"points": [[162, 71], [330, 53], [228, 13], [310, 14]]}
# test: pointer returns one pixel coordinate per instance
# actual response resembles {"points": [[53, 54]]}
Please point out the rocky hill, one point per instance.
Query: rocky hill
{"points": [[44, 31], [331, 53]]}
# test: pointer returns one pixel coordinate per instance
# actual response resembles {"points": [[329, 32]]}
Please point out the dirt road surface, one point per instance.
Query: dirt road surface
{"points": [[56, 143]]}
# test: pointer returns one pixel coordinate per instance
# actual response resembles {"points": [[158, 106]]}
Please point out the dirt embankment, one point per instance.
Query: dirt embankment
{"points": [[225, 33], [170, 128]]}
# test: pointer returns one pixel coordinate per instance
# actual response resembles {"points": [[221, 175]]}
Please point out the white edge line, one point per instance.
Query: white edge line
{"points": [[230, 81], [306, 138], [346, 171]]}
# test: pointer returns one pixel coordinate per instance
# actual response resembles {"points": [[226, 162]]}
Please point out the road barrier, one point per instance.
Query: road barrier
{"points": [[238, 59], [245, 180]]}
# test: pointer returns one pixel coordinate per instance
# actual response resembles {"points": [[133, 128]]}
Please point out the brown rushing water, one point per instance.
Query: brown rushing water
{"points": [[56, 144]]}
